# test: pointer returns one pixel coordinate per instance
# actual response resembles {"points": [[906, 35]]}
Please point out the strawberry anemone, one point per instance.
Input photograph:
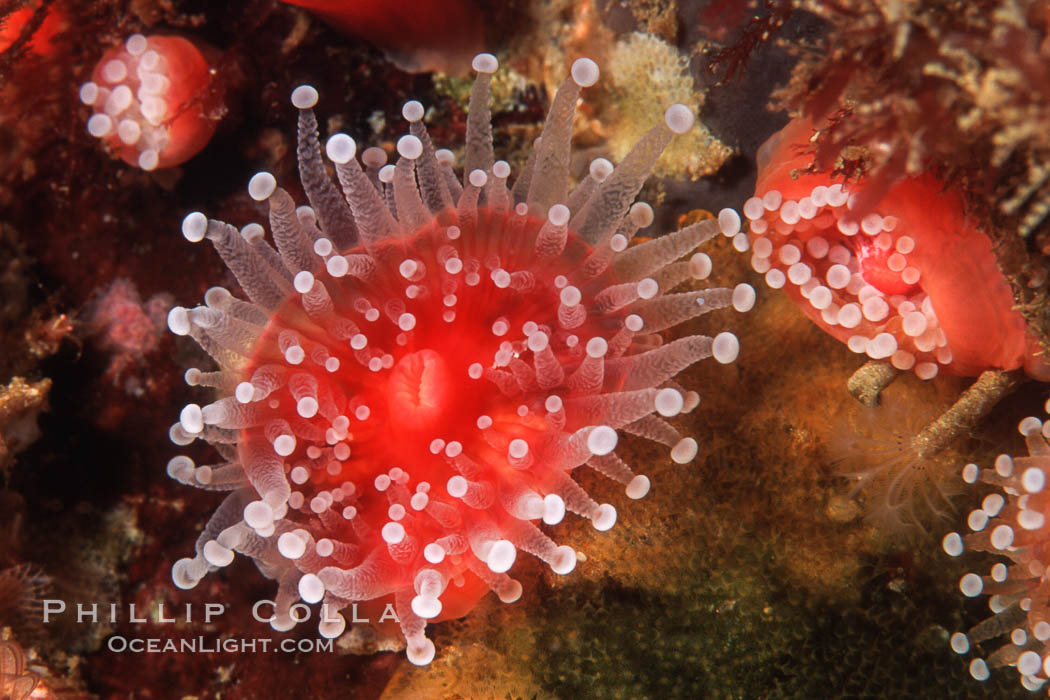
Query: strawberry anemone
{"points": [[1012, 524], [426, 359], [913, 282], [421, 35], [148, 97]]}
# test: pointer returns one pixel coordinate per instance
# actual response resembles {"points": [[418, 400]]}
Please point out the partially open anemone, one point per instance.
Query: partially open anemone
{"points": [[912, 282], [426, 359], [1013, 523], [148, 100]]}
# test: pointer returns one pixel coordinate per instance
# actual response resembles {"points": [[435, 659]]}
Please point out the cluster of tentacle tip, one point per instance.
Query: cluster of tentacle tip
{"points": [[426, 357], [855, 274], [147, 101], [1012, 523]]}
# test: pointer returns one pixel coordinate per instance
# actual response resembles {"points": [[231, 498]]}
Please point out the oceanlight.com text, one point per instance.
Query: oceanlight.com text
{"points": [[232, 645]]}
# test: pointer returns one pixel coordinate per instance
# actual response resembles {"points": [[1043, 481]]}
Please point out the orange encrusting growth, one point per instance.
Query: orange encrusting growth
{"points": [[918, 243]]}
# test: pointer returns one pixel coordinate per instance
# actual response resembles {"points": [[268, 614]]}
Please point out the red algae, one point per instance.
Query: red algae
{"points": [[151, 102], [41, 41], [912, 281], [914, 85], [125, 326]]}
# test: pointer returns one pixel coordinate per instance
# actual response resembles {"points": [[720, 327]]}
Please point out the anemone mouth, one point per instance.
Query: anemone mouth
{"points": [[419, 389], [881, 268]]}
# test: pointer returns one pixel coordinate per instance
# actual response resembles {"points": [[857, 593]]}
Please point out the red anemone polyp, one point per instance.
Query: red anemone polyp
{"points": [[913, 282], [425, 359], [148, 97], [422, 35], [1012, 524]]}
